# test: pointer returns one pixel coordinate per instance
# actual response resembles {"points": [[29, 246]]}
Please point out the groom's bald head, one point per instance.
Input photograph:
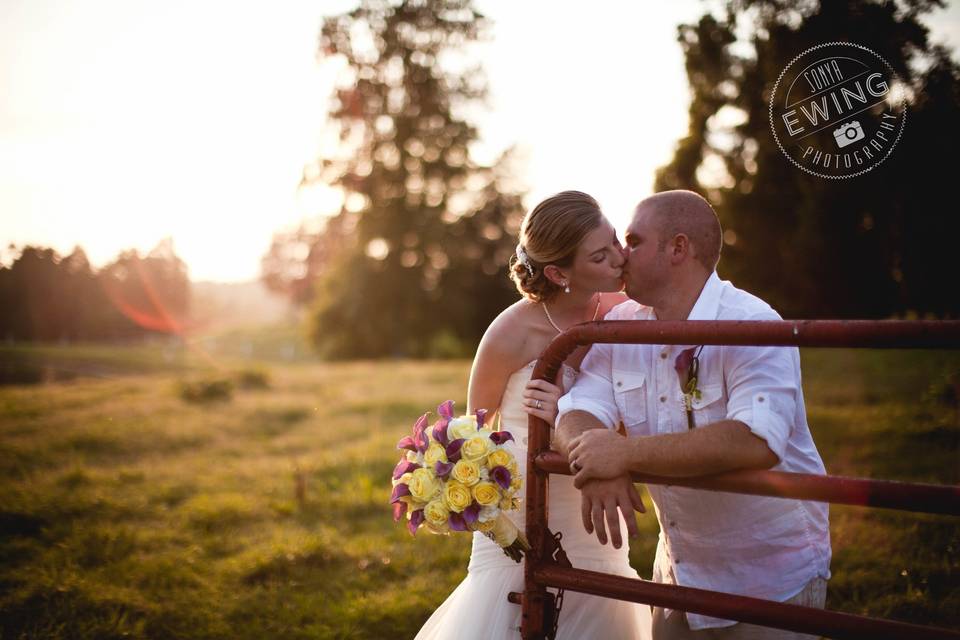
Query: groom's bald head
{"points": [[686, 212]]}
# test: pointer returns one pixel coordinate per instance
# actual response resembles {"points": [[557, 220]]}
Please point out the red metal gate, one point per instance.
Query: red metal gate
{"points": [[546, 566]]}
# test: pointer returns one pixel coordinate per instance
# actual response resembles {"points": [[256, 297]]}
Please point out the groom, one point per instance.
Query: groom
{"points": [[746, 412]]}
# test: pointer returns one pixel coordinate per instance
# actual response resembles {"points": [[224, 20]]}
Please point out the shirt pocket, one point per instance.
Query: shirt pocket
{"points": [[710, 407], [630, 392]]}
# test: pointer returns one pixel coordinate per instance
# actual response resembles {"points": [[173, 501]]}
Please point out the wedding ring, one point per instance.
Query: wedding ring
{"points": [[539, 405]]}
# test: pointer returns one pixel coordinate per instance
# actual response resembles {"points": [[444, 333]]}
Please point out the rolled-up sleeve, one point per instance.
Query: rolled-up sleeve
{"points": [[593, 390], [763, 384]]}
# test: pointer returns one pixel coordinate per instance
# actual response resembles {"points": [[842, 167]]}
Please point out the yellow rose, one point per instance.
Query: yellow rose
{"points": [[462, 427], [466, 472], [509, 504], [436, 453], [423, 485], [486, 493], [405, 479], [436, 513], [499, 458], [475, 448], [456, 496]]}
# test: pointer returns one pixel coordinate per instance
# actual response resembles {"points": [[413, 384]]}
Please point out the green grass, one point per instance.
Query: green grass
{"points": [[129, 511]]}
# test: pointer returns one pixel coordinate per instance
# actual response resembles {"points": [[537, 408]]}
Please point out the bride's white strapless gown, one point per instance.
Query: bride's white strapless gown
{"points": [[478, 607]]}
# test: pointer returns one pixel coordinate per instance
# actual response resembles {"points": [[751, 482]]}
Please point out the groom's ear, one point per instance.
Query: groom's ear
{"points": [[679, 248]]}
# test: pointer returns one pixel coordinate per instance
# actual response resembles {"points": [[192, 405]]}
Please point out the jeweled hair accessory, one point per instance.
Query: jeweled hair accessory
{"points": [[524, 259]]}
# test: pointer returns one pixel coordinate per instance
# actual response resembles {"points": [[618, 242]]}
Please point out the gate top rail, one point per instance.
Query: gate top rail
{"points": [[875, 334]]}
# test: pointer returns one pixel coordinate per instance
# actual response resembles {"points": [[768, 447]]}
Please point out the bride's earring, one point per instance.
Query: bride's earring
{"points": [[566, 287]]}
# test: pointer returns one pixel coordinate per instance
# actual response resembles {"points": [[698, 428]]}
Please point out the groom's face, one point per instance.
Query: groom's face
{"points": [[646, 269]]}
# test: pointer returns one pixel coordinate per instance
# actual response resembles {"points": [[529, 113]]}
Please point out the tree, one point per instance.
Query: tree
{"points": [[870, 246], [415, 262], [152, 293]]}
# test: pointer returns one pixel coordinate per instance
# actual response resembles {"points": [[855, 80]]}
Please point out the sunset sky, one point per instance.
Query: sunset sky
{"points": [[126, 121]]}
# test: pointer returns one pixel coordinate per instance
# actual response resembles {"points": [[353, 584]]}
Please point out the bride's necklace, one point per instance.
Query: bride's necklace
{"points": [[554, 324]]}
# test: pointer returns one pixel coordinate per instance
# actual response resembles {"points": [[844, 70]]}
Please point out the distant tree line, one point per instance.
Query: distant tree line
{"points": [[48, 297]]}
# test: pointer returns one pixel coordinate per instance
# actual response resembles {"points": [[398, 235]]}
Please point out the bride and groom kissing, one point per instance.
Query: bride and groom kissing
{"points": [[621, 408]]}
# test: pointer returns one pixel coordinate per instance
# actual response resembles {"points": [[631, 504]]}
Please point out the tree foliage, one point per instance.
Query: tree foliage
{"points": [[47, 297], [872, 246], [415, 262]]}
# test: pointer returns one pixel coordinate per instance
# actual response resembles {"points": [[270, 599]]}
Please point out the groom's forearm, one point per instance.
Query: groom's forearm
{"points": [[570, 426], [714, 448]]}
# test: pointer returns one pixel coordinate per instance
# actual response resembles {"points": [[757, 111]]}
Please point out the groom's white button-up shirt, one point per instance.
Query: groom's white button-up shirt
{"points": [[748, 545]]}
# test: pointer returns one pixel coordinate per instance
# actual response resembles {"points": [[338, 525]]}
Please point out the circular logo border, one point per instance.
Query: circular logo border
{"points": [[773, 94]]}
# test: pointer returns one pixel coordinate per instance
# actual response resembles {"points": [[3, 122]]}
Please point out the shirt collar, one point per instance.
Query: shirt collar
{"points": [[707, 305]]}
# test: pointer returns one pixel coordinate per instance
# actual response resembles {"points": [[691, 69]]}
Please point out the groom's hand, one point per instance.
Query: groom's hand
{"points": [[600, 500], [599, 454]]}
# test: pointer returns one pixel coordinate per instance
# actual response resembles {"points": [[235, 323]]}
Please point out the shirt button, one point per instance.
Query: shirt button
{"points": [[663, 398], [619, 383], [760, 399], [672, 523], [663, 356]]}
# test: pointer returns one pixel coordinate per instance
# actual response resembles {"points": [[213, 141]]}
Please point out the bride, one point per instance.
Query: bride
{"points": [[568, 267]]}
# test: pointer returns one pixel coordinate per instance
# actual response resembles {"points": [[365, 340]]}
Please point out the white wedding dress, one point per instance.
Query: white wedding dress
{"points": [[478, 607]]}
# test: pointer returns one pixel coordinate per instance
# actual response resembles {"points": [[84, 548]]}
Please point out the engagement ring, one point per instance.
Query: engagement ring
{"points": [[539, 405]]}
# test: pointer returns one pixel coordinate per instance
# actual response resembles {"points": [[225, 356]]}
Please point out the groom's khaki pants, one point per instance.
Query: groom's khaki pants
{"points": [[674, 626]]}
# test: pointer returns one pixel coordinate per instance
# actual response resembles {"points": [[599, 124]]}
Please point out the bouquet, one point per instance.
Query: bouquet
{"points": [[457, 476]]}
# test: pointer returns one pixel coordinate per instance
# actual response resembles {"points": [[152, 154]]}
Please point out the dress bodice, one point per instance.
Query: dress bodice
{"points": [[512, 416], [563, 498]]}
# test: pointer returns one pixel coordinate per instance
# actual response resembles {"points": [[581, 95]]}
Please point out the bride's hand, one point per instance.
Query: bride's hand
{"points": [[540, 399]]}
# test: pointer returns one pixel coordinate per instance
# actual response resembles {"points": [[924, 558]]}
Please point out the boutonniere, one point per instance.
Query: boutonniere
{"points": [[687, 365]]}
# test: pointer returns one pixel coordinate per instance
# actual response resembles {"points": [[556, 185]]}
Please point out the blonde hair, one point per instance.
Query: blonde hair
{"points": [[550, 234]]}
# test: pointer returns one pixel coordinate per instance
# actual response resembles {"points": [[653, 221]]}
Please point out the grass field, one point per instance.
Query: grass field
{"points": [[127, 511]]}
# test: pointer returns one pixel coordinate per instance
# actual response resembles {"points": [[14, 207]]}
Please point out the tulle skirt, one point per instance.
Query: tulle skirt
{"points": [[478, 609]]}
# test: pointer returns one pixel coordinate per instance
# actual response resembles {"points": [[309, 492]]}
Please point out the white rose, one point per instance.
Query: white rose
{"points": [[462, 427]]}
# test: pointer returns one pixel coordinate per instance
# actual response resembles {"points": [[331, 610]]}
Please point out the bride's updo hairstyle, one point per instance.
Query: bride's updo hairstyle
{"points": [[550, 234]]}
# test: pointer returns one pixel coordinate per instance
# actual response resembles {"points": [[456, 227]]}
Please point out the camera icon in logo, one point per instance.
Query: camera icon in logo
{"points": [[848, 133]]}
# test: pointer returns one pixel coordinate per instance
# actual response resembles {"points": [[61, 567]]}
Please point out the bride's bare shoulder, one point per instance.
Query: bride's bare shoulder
{"points": [[510, 331]]}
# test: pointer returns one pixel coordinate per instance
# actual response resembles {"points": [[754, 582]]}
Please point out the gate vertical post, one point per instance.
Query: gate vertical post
{"points": [[534, 604]]}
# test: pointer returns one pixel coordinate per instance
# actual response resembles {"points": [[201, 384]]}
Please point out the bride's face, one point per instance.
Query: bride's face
{"points": [[598, 262]]}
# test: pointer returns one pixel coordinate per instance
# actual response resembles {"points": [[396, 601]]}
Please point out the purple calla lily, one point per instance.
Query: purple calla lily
{"points": [[453, 450], [420, 424], [399, 491], [440, 431], [421, 442], [416, 518], [501, 475], [443, 469], [481, 418], [446, 410], [457, 523], [499, 437], [399, 510], [682, 364], [404, 466], [470, 513], [406, 442]]}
